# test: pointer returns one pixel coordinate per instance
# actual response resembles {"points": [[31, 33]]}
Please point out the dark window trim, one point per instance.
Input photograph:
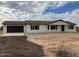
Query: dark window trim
{"points": [[34, 27], [53, 27], [71, 27]]}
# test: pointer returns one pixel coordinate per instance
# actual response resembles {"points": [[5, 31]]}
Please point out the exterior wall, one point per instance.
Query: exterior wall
{"points": [[59, 23], [25, 30], [70, 30], [42, 28], [4, 29], [65, 29]]}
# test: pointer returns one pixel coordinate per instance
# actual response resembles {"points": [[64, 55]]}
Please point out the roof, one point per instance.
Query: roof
{"points": [[64, 21], [38, 22], [14, 23], [26, 22], [29, 22]]}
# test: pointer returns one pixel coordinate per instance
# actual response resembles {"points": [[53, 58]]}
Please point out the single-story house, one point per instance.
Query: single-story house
{"points": [[30, 26]]}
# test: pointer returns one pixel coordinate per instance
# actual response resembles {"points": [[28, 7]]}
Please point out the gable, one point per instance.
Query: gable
{"points": [[60, 23]]}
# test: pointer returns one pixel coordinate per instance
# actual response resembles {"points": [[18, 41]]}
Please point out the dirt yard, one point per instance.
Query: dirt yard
{"points": [[41, 45], [57, 44]]}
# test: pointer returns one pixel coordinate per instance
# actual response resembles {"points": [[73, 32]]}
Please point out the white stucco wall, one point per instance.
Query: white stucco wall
{"points": [[65, 29], [4, 29], [25, 30], [42, 28], [70, 30], [59, 23]]}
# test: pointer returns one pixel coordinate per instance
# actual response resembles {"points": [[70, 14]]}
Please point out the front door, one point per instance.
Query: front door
{"points": [[62, 28]]}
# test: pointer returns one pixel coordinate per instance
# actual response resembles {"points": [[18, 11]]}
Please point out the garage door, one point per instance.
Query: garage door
{"points": [[15, 29]]}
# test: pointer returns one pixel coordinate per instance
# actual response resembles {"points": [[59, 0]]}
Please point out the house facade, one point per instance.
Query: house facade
{"points": [[38, 26]]}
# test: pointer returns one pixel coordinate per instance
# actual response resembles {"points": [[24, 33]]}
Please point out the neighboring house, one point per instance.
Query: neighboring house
{"points": [[29, 26]]}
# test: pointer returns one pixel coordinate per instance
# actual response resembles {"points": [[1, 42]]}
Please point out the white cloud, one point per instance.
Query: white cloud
{"points": [[33, 11], [30, 8], [73, 16]]}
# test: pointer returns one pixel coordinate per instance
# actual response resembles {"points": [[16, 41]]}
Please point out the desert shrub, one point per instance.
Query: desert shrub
{"points": [[62, 54], [65, 52]]}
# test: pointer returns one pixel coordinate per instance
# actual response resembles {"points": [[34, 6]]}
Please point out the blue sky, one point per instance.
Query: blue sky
{"points": [[69, 7]]}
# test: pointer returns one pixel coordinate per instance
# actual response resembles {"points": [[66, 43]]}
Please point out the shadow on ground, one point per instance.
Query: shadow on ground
{"points": [[18, 46]]}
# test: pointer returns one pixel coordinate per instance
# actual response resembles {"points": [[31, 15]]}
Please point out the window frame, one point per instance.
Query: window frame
{"points": [[34, 27], [71, 27], [53, 27]]}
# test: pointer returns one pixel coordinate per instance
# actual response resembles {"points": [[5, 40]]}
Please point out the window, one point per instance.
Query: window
{"points": [[53, 27], [71, 27], [34, 27]]}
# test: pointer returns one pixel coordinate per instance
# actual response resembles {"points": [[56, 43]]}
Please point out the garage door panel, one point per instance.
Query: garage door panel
{"points": [[14, 29]]}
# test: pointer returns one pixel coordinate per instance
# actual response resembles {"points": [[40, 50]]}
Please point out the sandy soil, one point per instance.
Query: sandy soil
{"points": [[39, 45], [57, 44]]}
